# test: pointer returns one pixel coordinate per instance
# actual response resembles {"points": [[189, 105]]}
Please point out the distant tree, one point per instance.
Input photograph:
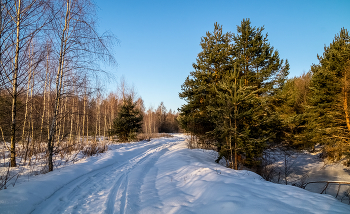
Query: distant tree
{"points": [[128, 121], [160, 120], [161, 112], [292, 107]]}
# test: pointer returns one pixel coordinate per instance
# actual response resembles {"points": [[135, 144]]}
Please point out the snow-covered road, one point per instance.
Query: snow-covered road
{"points": [[112, 189], [160, 176]]}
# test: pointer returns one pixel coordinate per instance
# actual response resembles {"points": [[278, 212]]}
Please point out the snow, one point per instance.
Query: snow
{"points": [[309, 167], [159, 176]]}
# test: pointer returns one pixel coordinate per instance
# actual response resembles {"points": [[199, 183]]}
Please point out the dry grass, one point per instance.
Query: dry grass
{"points": [[31, 157], [94, 148]]}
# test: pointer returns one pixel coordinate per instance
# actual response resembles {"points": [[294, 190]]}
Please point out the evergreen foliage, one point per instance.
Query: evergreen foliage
{"points": [[128, 121], [229, 93], [291, 108], [232, 112], [212, 62], [328, 113], [259, 62]]}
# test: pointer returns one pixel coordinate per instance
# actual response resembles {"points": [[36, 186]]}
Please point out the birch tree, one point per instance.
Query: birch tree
{"points": [[78, 48], [21, 21]]}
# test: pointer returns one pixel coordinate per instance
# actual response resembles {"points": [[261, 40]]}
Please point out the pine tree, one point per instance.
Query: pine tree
{"points": [[259, 63], [214, 60], [128, 121], [328, 112], [232, 111], [210, 92], [260, 66], [291, 108]]}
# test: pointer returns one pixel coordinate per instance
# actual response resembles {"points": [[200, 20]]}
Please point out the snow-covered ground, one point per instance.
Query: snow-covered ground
{"points": [[303, 167], [160, 176]]}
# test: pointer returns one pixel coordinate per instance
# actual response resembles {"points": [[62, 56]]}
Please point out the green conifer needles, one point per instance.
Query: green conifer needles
{"points": [[229, 93], [128, 121], [328, 112]]}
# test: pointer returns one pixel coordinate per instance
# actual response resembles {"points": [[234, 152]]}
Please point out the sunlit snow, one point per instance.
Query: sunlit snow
{"points": [[160, 176]]}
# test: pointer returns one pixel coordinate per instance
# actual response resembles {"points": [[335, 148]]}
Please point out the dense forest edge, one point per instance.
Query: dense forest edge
{"points": [[241, 103]]}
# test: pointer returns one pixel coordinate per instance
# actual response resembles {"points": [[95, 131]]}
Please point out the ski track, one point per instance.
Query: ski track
{"points": [[110, 185]]}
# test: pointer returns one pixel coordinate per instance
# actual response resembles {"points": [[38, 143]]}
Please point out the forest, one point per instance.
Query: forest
{"points": [[240, 101], [88, 121], [53, 101]]}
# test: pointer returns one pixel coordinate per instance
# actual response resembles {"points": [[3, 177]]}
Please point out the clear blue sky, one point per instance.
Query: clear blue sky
{"points": [[159, 39]]}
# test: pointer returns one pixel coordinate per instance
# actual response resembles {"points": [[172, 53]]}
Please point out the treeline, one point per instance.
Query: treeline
{"points": [[132, 119], [50, 56], [160, 120], [240, 101], [51, 91], [316, 104]]}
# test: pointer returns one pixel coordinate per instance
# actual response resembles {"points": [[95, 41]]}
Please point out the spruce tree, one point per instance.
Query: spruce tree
{"points": [[291, 108], [128, 121]]}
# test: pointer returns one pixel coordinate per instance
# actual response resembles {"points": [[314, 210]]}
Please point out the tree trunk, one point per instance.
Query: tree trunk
{"points": [[99, 118], [14, 89], [235, 113], [230, 141], [104, 129], [78, 121], [31, 114], [58, 90], [44, 95], [26, 111], [83, 133], [71, 122], [87, 128], [346, 102]]}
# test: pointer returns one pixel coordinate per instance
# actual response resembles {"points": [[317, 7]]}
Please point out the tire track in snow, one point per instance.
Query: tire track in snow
{"points": [[113, 195], [73, 188], [125, 167], [63, 196], [124, 196], [72, 195], [138, 181], [121, 186]]}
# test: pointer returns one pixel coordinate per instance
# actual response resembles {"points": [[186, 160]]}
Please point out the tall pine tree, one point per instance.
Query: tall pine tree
{"points": [[212, 63], [260, 66], [214, 97], [328, 113], [232, 112]]}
